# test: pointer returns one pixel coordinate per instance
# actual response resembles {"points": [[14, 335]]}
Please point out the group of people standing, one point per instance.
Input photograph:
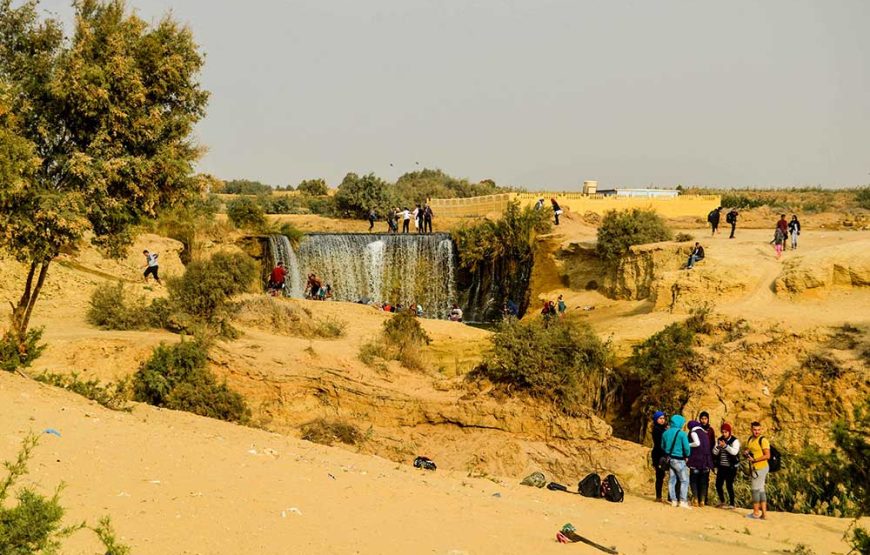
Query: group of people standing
{"points": [[420, 215], [689, 456], [557, 210], [554, 309], [784, 230]]}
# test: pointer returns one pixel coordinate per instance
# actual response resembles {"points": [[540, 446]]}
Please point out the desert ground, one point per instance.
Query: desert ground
{"points": [[178, 483]]}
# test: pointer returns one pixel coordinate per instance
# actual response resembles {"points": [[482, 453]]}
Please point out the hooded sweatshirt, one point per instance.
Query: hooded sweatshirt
{"points": [[657, 451], [681, 449], [701, 457]]}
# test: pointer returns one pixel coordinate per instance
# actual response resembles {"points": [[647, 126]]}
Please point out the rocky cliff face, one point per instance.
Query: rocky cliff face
{"points": [[818, 272]]}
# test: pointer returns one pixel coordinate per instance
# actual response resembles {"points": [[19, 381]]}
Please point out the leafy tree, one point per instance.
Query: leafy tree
{"points": [[246, 187], [246, 213], [620, 230], [109, 112], [357, 195], [417, 187], [313, 187]]}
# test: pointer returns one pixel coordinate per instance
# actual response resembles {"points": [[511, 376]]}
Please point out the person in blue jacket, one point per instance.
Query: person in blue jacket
{"points": [[675, 444]]}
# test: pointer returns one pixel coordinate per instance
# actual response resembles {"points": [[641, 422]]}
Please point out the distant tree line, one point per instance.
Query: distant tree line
{"points": [[356, 195]]}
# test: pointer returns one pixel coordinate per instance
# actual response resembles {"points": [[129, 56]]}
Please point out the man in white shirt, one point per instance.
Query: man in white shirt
{"points": [[151, 266], [406, 219]]}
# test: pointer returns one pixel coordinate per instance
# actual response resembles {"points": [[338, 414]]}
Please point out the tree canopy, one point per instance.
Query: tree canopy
{"points": [[95, 130], [314, 187]]}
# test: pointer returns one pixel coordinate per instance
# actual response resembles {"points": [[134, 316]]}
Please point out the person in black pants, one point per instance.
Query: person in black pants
{"points": [[726, 455], [659, 427], [731, 218]]}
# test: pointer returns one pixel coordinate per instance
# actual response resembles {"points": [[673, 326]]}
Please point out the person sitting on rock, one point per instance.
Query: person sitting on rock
{"points": [[697, 254]]}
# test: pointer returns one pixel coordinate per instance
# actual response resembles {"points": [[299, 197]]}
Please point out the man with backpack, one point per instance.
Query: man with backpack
{"points": [[726, 454], [758, 452], [713, 217], [675, 444], [731, 218]]}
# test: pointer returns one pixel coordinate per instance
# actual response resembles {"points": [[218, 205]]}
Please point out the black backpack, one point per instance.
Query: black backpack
{"points": [[712, 215], [612, 490], [774, 463], [729, 217], [590, 486]]}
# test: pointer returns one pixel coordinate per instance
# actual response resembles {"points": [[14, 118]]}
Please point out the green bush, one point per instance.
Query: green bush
{"points": [[279, 204], [862, 197], [206, 287], [327, 432], [33, 525], [662, 367], [113, 395], [322, 206], [188, 223], [402, 338], [176, 377], [561, 361], [620, 230], [738, 200], [15, 354], [246, 213], [245, 187], [313, 187], [683, 237], [112, 307]]}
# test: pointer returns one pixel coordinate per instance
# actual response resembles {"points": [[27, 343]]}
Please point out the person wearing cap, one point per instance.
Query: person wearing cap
{"points": [[726, 455], [659, 427]]}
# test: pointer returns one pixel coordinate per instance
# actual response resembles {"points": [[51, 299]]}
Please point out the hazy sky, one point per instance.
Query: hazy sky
{"points": [[534, 93]]}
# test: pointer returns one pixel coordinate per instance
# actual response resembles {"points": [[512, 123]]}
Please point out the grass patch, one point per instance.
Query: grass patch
{"points": [[327, 432], [683, 237], [113, 395], [282, 317], [823, 364], [402, 338]]}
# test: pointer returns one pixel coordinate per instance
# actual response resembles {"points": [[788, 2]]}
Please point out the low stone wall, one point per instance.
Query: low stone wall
{"points": [[475, 207]]}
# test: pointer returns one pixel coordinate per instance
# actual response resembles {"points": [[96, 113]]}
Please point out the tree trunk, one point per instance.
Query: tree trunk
{"points": [[22, 311]]}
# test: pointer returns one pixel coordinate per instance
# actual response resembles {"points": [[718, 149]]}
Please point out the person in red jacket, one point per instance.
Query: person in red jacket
{"points": [[276, 279]]}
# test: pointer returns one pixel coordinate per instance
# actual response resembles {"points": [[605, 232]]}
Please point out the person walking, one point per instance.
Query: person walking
{"points": [[151, 266], [406, 219], [758, 452], [658, 429], [557, 211], [794, 228], [726, 455], [675, 444], [778, 241], [427, 219], [417, 219], [373, 216], [700, 463], [561, 306], [731, 218], [697, 254], [713, 217]]}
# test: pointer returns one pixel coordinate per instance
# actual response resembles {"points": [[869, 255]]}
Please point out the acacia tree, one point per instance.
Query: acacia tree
{"points": [[108, 113]]}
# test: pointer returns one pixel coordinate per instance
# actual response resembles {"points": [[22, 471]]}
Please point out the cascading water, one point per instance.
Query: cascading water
{"points": [[397, 269]]}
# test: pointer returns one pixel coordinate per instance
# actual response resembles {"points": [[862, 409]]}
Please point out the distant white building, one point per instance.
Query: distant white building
{"points": [[639, 193]]}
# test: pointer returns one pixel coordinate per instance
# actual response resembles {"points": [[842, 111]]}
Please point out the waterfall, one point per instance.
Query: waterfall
{"points": [[397, 269]]}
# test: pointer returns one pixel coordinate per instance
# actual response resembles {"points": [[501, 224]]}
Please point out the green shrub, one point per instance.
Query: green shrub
{"points": [[111, 307], [662, 367], [699, 319], [402, 338], [279, 204], [322, 206], [327, 432], [683, 237], [246, 213], [33, 525], [738, 200], [620, 230], [862, 197], [176, 377], [112, 395], [188, 223], [206, 287], [16, 354], [561, 361], [313, 187]]}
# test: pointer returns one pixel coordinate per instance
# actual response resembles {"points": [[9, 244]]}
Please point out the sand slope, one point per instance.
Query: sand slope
{"points": [[177, 483]]}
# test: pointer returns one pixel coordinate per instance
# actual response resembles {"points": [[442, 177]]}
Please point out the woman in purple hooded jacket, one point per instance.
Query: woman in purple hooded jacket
{"points": [[700, 463]]}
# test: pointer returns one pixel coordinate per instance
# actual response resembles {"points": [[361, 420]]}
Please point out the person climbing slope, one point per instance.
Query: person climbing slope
{"points": [[151, 266]]}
